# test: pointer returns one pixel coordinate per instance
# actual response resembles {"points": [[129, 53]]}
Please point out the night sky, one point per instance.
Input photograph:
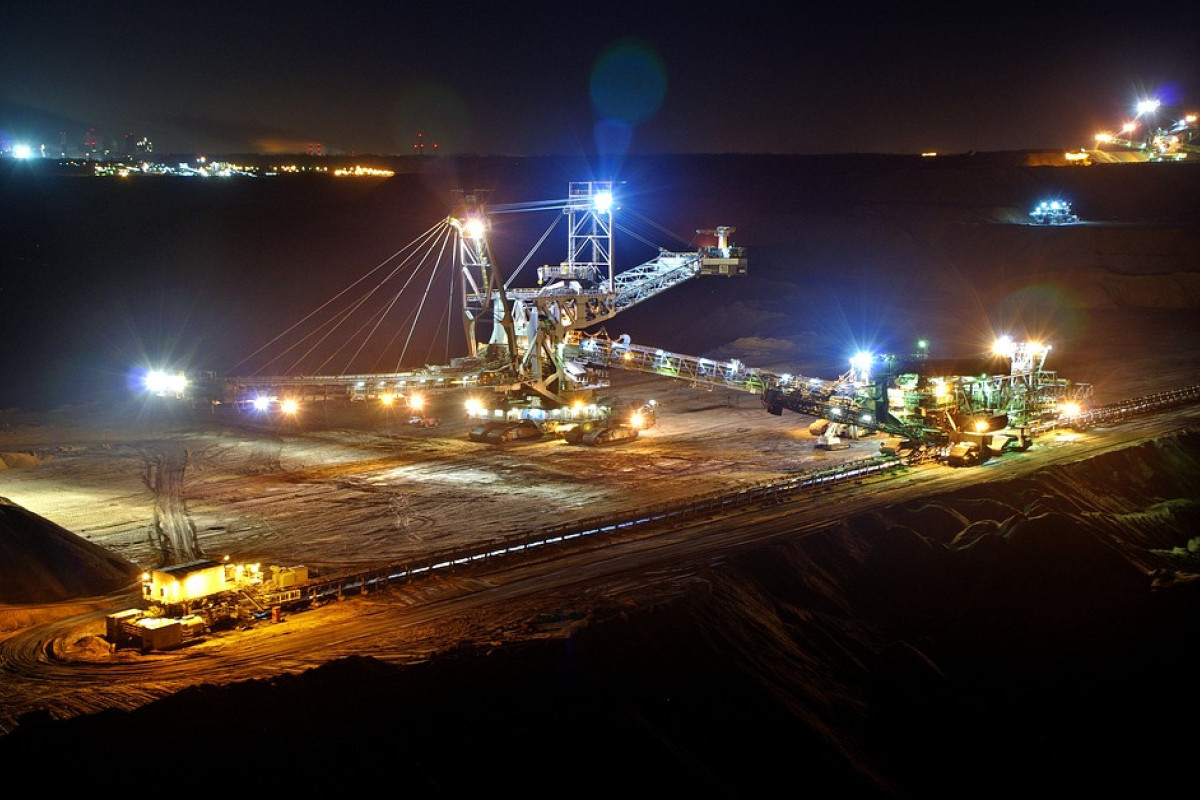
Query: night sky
{"points": [[582, 78]]}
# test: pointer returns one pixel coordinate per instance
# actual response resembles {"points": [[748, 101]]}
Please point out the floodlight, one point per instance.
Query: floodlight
{"points": [[160, 382], [1147, 106], [474, 228]]}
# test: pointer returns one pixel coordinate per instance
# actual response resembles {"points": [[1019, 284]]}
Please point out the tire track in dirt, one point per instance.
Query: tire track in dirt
{"points": [[173, 532]]}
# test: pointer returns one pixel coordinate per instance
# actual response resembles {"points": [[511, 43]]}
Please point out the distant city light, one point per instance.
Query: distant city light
{"points": [[359, 171]]}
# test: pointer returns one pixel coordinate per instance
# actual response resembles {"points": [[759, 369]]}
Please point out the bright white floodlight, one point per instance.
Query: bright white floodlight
{"points": [[861, 364], [164, 383], [1147, 106], [22, 151], [474, 228], [602, 202]]}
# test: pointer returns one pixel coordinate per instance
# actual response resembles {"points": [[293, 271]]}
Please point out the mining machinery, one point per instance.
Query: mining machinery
{"points": [[994, 404], [184, 602], [519, 381], [1053, 212], [1156, 132], [535, 368]]}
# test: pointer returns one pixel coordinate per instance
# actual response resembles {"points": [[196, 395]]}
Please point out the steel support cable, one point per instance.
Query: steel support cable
{"points": [[395, 336], [635, 235], [445, 315], [336, 321], [379, 316], [421, 306], [532, 205], [346, 313], [427, 233], [449, 308], [534, 249], [416, 314], [413, 315], [398, 330], [656, 226]]}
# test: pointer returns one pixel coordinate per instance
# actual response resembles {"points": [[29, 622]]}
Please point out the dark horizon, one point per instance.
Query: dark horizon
{"points": [[624, 80]]}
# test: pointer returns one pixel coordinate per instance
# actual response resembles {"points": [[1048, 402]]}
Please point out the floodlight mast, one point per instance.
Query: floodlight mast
{"points": [[531, 326], [590, 230]]}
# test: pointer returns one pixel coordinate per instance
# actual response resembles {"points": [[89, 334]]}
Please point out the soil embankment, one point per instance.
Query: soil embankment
{"points": [[41, 562]]}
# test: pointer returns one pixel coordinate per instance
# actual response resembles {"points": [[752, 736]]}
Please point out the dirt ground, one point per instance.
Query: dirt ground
{"points": [[347, 485]]}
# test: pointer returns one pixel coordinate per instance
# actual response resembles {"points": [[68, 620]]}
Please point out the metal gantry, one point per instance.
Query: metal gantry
{"points": [[899, 397], [525, 345]]}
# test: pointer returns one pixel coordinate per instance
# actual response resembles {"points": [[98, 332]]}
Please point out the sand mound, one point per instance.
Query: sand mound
{"points": [[41, 562]]}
